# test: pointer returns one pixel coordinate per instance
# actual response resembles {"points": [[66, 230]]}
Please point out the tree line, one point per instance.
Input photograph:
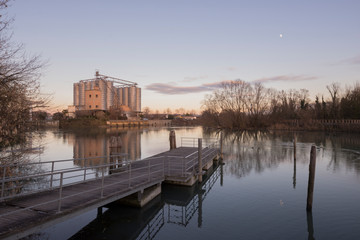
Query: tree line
{"points": [[243, 105]]}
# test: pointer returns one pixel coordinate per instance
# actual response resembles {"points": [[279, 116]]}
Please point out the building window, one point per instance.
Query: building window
{"points": [[96, 96], [89, 95], [96, 106], [89, 106]]}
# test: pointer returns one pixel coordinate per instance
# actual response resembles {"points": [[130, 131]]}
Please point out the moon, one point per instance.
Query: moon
{"points": [[281, 35]]}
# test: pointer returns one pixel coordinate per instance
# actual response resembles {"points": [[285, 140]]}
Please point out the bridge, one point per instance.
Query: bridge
{"points": [[37, 195]]}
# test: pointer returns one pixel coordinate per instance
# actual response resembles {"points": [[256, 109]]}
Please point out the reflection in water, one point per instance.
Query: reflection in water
{"points": [[177, 205], [260, 170], [257, 150], [294, 175], [90, 146], [310, 227]]}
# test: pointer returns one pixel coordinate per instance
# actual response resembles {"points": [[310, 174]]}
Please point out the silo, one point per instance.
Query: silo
{"points": [[92, 84], [103, 86], [82, 94], [87, 85], [76, 94], [119, 96], [110, 94], [125, 96], [132, 98], [138, 99]]}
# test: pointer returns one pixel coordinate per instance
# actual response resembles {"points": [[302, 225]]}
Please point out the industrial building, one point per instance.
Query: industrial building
{"points": [[106, 93]]}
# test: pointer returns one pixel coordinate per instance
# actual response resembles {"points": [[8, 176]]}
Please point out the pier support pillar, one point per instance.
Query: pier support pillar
{"points": [[142, 197]]}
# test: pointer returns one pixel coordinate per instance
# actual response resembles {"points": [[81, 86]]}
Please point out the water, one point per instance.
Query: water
{"points": [[259, 192]]}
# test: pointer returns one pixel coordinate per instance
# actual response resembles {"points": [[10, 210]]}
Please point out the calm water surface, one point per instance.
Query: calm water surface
{"points": [[259, 192]]}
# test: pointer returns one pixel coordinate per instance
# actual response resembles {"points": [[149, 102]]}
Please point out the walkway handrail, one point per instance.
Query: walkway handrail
{"points": [[49, 181], [151, 170], [193, 142]]}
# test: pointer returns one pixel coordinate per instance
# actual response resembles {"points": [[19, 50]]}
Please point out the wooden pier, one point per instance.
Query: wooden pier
{"points": [[36, 200]]}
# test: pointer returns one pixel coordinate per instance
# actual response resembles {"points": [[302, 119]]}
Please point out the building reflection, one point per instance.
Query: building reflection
{"points": [[176, 205], [99, 148]]}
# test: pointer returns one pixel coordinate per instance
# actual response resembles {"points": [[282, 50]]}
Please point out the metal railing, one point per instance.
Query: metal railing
{"points": [[131, 175], [193, 142], [28, 178]]}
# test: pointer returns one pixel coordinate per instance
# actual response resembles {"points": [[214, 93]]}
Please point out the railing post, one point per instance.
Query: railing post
{"points": [[85, 170], [168, 167], [149, 171], [60, 191], [3, 182], [102, 182], [183, 167], [52, 174], [200, 159], [130, 174], [164, 167]]}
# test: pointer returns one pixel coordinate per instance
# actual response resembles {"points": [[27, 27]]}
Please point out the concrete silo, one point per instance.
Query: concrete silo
{"points": [[103, 90], [119, 96], [82, 94], [76, 94], [109, 95], [132, 98], [138, 100], [125, 96]]}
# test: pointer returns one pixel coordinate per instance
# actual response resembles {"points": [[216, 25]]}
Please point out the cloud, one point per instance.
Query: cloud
{"points": [[166, 88], [351, 61], [285, 78], [232, 68], [191, 79]]}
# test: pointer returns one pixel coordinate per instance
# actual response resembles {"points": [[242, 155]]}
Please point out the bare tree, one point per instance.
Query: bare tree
{"points": [[19, 85], [334, 90]]}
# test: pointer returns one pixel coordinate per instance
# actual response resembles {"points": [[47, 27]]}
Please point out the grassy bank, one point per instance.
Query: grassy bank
{"points": [[81, 123]]}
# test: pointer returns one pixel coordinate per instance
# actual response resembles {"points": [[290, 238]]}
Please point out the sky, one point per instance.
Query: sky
{"points": [[179, 51]]}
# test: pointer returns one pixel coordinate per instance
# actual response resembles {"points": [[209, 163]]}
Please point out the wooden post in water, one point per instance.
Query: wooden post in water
{"points": [[199, 159], [294, 176], [311, 178], [294, 147], [172, 139], [221, 145]]}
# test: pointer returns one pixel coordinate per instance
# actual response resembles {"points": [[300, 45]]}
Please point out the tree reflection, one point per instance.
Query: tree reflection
{"points": [[14, 162], [247, 151]]}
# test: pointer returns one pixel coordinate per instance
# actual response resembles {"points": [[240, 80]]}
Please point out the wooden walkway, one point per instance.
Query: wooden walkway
{"points": [[24, 213]]}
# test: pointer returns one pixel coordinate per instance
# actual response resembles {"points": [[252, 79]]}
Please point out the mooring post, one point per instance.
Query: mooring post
{"points": [[294, 175], [311, 178], [294, 147], [172, 139], [199, 159], [221, 145]]}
